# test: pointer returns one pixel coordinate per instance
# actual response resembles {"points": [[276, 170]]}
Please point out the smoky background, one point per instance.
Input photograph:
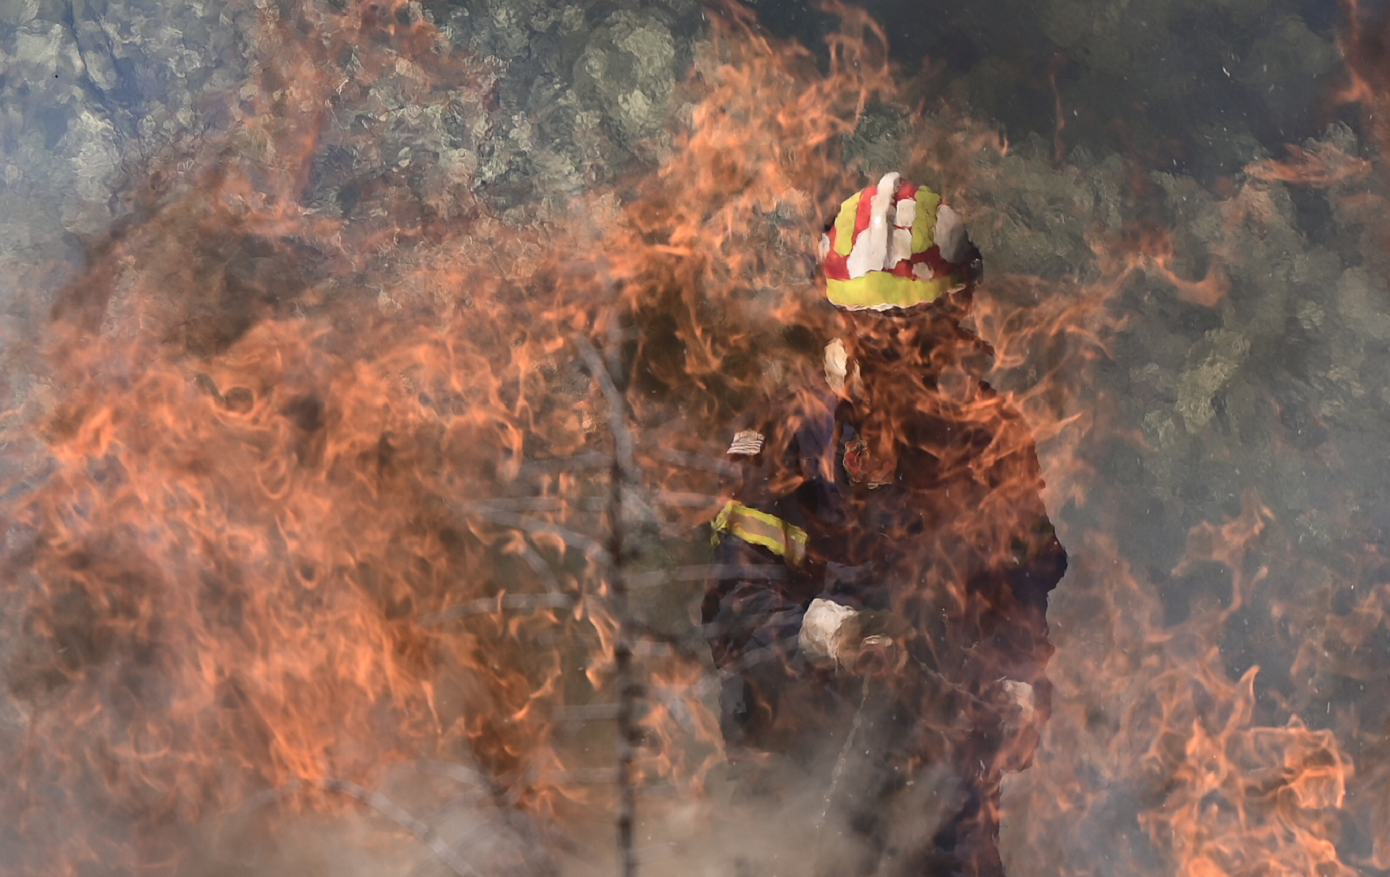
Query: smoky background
{"points": [[307, 475]]}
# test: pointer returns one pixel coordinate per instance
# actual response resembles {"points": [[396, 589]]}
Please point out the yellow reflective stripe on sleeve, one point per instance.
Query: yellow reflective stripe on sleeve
{"points": [[881, 289], [760, 528], [844, 224], [924, 225]]}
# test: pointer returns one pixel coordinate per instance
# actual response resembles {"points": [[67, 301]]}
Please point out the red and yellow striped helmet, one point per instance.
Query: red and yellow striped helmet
{"points": [[895, 245]]}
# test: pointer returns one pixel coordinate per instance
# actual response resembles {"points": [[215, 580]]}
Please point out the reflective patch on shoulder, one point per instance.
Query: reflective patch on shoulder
{"points": [[746, 443]]}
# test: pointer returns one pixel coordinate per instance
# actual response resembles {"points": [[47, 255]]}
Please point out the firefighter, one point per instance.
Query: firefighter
{"points": [[887, 554]]}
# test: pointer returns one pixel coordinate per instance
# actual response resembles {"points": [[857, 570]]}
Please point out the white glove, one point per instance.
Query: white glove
{"points": [[830, 632]]}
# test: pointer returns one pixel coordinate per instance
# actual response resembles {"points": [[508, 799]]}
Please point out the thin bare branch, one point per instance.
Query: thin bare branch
{"points": [[382, 804], [624, 477], [558, 465], [700, 572], [623, 446], [687, 460], [505, 518], [488, 605]]}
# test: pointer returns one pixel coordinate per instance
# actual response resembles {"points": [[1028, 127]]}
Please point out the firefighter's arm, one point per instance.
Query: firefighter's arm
{"points": [[766, 560], [747, 611], [746, 608], [747, 616]]}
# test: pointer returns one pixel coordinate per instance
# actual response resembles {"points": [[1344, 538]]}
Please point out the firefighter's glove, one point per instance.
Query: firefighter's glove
{"points": [[862, 642]]}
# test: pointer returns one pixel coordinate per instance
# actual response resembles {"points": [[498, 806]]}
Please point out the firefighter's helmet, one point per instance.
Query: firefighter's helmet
{"points": [[895, 245]]}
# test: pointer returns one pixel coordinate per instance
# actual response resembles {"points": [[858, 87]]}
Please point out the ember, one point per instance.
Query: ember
{"points": [[356, 505]]}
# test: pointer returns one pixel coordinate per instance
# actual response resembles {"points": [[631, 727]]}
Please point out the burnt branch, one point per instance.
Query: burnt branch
{"points": [[624, 477], [383, 805]]}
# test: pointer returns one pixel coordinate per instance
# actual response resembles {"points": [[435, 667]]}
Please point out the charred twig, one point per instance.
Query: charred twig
{"points": [[623, 446], [533, 847], [624, 477], [519, 522], [596, 503], [383, 805], [839, 770], [686, 499], [558, 465], [542, 569], [668, 643], [484, 605], [536, 503], [457, 773], [586, 712], [701, 572], [399, 815], [687, 460]]}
